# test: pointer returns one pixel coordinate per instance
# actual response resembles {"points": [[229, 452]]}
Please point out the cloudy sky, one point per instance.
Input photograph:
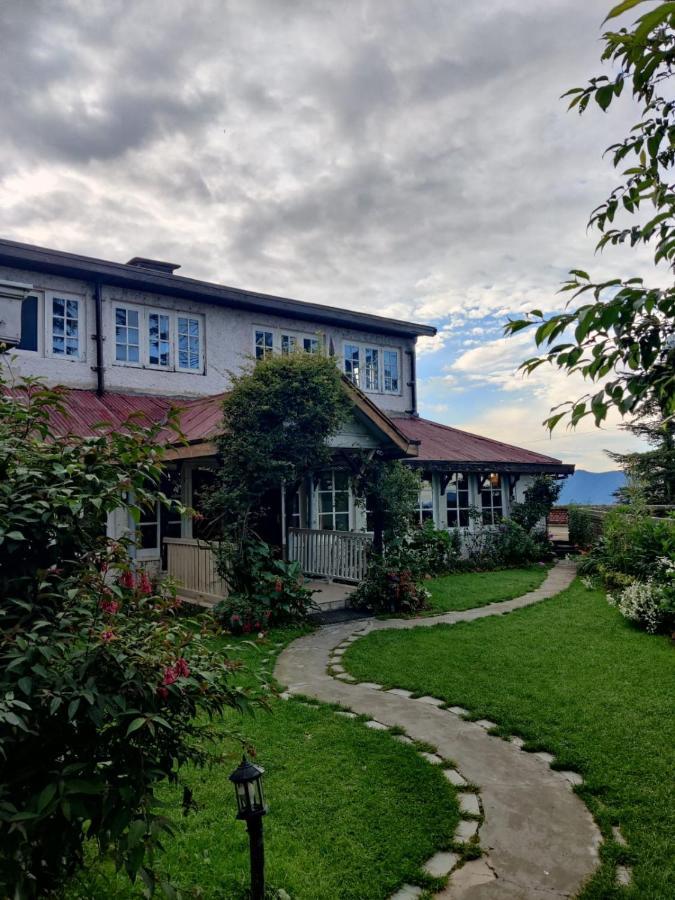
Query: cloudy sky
{"points": [[404, 157]]}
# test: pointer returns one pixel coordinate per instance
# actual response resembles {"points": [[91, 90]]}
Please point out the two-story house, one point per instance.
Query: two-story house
{"points": [[137, 337]]}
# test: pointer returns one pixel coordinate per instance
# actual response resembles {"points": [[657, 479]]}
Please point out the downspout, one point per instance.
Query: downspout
{"points": [[412, 384], [100, 377]]}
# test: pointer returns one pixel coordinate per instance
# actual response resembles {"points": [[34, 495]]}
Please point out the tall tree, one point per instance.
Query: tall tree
{"points": [[620, 333]]}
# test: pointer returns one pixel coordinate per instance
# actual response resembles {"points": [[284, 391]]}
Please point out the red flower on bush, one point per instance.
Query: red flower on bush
{"points": [[278, 585], [107, 635], [127, 580], [144, 584], [109, 607], [163, 693], [182, 668], [247, 627]]}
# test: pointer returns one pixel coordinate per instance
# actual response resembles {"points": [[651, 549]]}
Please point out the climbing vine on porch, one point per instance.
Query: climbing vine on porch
{"points": [[278, 419]]}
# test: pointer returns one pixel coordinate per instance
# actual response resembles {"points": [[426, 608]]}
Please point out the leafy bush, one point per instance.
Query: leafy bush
{"points": [[393, 583], [580, 525], [273, 592], [439, 550], [104, 690], [539, 498], [504, 545], [631, 543]]}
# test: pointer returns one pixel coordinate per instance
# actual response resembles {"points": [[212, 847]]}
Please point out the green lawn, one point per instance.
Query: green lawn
{"points": [[464, 591], [573, 677], [353, 813]]}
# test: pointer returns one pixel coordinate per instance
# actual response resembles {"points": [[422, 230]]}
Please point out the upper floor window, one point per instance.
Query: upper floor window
{"points": [[458, 500], [127, 335], [373, 369], [491, 498], [267, 342], [65, 326], [162, 339], [29, 324], [264, 344]]}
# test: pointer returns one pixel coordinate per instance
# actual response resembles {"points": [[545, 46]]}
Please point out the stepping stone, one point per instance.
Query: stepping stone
{"points": [[458, 710], [337, 668], [517, 742], [545, 757], [376, 726], [454, 777], [433, 758], [618, 837], [572, 777], [468, 803], [407, 892], [466, 829], [346, 715], [440, 864], [285, 695], [403, 739], [343, 676], [371, 685], [473, 874], [337, 654], [430, 701], [624, 875], [399, 692], [486, 724]]}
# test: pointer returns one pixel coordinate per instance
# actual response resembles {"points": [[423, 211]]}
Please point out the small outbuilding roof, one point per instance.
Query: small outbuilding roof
{"points": [[440, 445]]}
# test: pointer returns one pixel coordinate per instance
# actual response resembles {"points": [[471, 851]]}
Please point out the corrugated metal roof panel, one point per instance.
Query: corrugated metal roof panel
{"points": [[442, 442]]}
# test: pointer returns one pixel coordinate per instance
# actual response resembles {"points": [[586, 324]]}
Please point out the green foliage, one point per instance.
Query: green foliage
{"points": [[104, 690], [540, 497], [507, 544], [631, 543], [440, 550], [392, 491], [623, 338], [277, 419], [580, 526], [393, 582], [275, 593]]}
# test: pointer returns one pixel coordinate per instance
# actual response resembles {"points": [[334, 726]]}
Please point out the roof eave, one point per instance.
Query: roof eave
{"points": [[58, 262], [452, 465]]}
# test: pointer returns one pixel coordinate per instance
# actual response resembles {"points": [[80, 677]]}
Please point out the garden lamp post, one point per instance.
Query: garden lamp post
{"points": [[247, 779]]}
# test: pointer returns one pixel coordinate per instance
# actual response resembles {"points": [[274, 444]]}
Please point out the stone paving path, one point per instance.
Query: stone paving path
{"points": [[539, 839]]}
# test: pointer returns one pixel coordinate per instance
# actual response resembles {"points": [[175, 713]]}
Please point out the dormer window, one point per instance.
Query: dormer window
{"points": [[266, 342]]}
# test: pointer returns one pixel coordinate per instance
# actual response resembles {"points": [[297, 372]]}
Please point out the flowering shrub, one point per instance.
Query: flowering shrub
{"points": [[393, 583], [273, 593], [105, 690], [439, 550]]}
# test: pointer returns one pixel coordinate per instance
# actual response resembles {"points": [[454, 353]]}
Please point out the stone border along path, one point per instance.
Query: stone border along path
{"points": [[539, 840]]}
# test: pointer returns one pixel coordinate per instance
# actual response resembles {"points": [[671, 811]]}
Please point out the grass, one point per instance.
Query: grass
{"points": [[571, 676], [353, 813], [470, 589]]}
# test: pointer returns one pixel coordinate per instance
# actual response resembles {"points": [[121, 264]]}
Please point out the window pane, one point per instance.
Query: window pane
{"points": [[288, 343], [264, 344], [72, 309], [341, 480], [29, 324], [342, 501], [326, 522], [352, 362], [310, 345], [452, 518], [342, 522], [391, 371], [464, 518], [372, 369], [121, 352], [133, 354], [58, 307], [58, 325], [326, 481], [120, 316], [326, 502]]}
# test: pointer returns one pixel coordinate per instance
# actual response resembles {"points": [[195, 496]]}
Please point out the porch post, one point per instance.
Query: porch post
{"points": [[284, 553]]}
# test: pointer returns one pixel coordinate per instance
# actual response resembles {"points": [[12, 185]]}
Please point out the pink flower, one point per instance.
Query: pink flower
{"points": [[170, 675], [182, 668], [110, 607], [144, 584], [163, 693], [235, 617], [127, 579], [107, 636]]}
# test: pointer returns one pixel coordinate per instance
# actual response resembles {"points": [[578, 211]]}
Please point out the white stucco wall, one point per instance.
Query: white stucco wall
{"points": [[229, 341]]}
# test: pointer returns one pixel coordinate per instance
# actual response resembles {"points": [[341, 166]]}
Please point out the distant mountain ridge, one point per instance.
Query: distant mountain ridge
{"points": [[591, 488]]}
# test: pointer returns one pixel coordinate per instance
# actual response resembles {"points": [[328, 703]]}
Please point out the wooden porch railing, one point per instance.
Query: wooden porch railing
{"points": [[193, 564], [333, 554]]}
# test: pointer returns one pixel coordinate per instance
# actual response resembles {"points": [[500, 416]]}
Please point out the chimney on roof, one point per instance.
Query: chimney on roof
{"points": [[153, 265]]}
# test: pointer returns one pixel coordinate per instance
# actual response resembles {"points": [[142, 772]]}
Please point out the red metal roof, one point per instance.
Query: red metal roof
{"points": [[444, 443], [81, 411], [198, 420]]}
